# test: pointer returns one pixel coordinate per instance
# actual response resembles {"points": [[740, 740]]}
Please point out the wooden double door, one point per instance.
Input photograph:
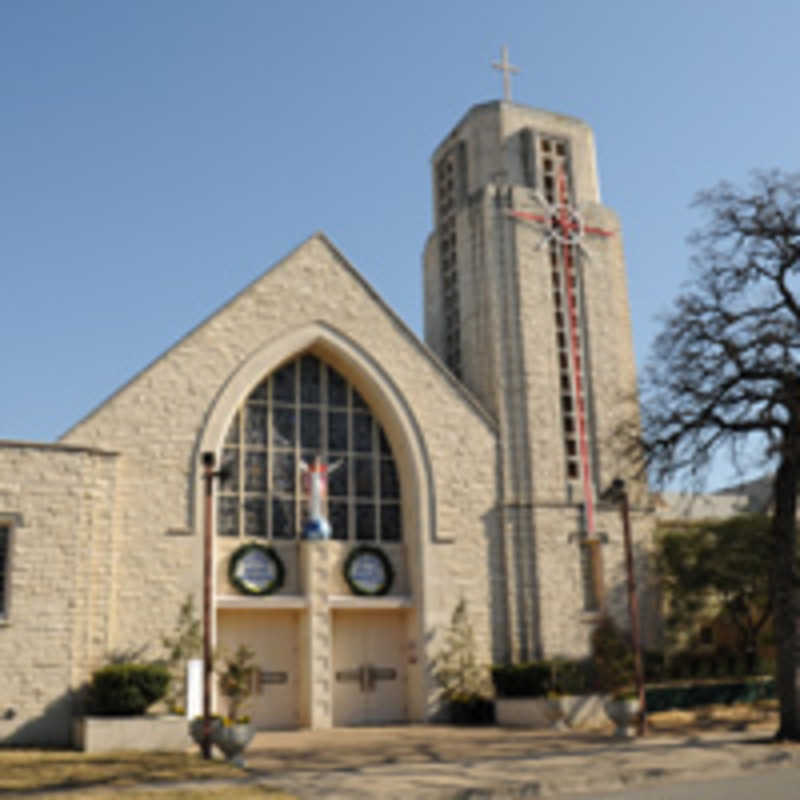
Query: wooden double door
{"points": [[369, 675]]}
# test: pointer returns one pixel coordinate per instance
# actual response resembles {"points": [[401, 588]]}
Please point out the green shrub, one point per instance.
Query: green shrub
{"points": [[680, 666], [661, 698], [462, 678], [538, 678], [702, 667], [530, 679], [186, 643], [573, 677], [126, 689], [720, 663], [655, 667], [764, 666], [475, 711], [612, 656], [739, 665]]}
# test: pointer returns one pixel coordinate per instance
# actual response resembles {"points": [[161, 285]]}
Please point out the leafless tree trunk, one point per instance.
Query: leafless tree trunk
{"points": [[725, 374]]}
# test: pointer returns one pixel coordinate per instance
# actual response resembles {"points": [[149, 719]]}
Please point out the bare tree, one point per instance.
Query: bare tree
{"points": [[724, 373]]}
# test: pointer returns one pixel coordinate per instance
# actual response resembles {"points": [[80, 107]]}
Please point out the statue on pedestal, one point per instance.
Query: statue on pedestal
{"points": [[315, 481]]}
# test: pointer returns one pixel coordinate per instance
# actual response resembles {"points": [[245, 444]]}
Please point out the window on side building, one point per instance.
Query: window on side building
{"points": [[5, 546]]}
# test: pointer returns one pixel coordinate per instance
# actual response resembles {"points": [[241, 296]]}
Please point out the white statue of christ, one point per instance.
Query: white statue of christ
{"points": [[315, 480]]}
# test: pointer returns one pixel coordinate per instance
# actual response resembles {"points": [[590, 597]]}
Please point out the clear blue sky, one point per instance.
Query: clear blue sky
{"points": [[158, 155]]}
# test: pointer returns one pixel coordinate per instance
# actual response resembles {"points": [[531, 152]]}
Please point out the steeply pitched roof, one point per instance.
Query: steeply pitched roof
{"points": [[283, 263]]}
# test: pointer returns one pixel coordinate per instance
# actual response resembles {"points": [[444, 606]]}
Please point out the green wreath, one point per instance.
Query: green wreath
{"points": [[260, 581], [360, 570]]}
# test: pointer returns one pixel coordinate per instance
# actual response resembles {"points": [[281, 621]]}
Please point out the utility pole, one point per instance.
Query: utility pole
{"points": [[617, 493], [208, 478]]}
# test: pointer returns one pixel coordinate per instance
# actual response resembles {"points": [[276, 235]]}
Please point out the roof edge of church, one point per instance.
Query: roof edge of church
{"points": [[69, 448], [218, 310], [499, 104], [318, 236], [406, 330]]}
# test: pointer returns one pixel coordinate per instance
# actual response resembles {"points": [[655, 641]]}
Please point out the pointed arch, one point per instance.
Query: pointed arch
{"points": [[385, 400]]}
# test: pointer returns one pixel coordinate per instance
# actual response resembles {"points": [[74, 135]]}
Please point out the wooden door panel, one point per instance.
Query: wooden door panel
{"points": [[369, 672], [384, 653], [348, 698], [273, 637]]}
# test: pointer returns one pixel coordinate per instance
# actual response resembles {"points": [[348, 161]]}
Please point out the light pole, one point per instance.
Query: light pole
{"points": [[617, 493], [208, 478]]}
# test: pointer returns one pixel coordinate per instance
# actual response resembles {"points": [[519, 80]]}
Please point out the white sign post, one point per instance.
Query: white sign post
{"points": [[194, 688]]}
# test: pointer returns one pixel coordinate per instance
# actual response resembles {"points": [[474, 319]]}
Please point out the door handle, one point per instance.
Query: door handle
{"points": [[366, 677]]}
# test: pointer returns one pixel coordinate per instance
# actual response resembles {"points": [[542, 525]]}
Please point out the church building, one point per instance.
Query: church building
{"points": [[369, 480]]}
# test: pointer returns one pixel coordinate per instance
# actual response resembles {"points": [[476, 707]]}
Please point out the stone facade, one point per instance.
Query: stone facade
{"points": [[106, 525], [137, 515], [495, 279], [60, 504]]}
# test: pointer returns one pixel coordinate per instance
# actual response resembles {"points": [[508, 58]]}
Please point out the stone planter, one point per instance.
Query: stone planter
{"points": [[233, 740], [145, 732], [623, 713], [570, 711]]}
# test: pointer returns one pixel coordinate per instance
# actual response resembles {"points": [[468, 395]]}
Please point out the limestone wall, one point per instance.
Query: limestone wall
{"points": [[59, 623], [566, 625], [158, 419]]}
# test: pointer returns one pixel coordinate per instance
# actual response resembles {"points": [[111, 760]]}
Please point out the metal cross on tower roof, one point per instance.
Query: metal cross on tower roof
{"points": [[507, 70]]}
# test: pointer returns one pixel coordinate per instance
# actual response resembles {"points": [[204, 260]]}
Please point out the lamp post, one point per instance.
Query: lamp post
{"points": [[617, 493], [208, 478]]}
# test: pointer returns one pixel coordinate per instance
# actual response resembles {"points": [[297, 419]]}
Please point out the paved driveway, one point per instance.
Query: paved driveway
{"points": [[432, 761]]}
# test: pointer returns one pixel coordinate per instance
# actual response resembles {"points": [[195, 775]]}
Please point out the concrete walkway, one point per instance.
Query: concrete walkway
{"points": [[433, 761]]}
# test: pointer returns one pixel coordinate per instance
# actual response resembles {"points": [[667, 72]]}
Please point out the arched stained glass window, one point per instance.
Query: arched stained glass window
{"points": [[304, 409]]}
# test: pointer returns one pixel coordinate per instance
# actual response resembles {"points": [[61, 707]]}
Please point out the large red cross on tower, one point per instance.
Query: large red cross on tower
{"points": [[564, 223]]}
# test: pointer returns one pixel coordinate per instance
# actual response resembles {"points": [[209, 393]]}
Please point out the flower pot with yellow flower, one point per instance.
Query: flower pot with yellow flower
{"points": [[236, 681], [232, 732]]}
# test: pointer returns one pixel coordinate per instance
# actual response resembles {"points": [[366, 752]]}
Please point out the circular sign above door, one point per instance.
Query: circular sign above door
{"points": [[256, 569], [368, 571]]}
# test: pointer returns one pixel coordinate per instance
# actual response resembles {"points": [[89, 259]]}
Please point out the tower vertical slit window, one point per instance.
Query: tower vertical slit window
{"points": [[450, 185], [5, 542]]}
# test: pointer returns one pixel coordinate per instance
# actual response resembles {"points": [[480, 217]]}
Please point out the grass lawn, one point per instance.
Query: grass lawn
{"points": [[741, 715], [107, 775], [196, 793], [50, 774]]}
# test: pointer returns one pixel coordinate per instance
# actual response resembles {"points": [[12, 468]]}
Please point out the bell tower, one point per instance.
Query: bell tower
{"points": [[526, 302]]}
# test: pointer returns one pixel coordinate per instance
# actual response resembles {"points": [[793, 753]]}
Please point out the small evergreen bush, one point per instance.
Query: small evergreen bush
{"points": [[236, 681], [531, 679], [539, 678], [186, 643], [612, 656], [721, 663], [655, 666], [662, 698], [126, 689], [573, 676], [465, 684]]}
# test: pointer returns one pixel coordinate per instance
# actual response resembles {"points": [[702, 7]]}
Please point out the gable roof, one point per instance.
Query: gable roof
{"points": [[283, 263]]}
